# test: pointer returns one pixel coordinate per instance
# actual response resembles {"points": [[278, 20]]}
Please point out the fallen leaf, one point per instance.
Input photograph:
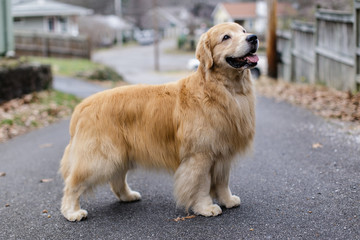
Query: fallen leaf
{"points": [[251, 229], [49, 216], [2, 174], [309, 211], [7, 205], [46, 180], [46, 145], [317, 145], [44, 211], [183, 218]]}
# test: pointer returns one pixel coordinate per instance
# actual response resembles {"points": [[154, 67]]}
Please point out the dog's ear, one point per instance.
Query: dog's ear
{"points": [[203, 52]]}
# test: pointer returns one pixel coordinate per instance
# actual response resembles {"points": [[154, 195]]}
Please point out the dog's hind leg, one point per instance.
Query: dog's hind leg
{"points": [[192, 186], [75, 185], [82, 177], [121, 189], [220, 185]]}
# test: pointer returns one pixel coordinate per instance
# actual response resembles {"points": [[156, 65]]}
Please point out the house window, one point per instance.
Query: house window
{"points": [[63, 24], [51, 24], [17, 19]]}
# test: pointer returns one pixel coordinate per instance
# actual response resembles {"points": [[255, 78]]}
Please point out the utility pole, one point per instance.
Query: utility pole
{"points": [[118, 11], [271, 51], [156, 35]]}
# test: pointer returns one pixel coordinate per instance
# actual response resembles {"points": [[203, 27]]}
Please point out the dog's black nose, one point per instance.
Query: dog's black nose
{"points": [[252, 38]]}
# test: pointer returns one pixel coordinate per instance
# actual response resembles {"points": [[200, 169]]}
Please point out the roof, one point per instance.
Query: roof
{"points": [[285, 9], [111, 21], [34, 8], [175, 16], [242, 10]]}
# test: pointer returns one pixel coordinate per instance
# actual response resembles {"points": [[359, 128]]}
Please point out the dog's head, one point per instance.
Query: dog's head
{"points": [[227, 45]]}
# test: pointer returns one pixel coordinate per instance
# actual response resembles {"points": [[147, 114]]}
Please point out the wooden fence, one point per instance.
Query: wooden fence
{"points": [[51, 45], [302, 52], [284, 65], [323, 52]]}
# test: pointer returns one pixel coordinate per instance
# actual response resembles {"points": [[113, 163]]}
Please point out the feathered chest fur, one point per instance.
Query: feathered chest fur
{"points": [[223, 123]]}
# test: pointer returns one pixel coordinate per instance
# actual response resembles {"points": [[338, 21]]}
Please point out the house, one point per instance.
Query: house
{"points": [[110, 29], [47, 16], [251, 15], [171, 21]]}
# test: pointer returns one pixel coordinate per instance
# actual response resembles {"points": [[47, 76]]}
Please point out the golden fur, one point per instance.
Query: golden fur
{"points": [[193, 128]]}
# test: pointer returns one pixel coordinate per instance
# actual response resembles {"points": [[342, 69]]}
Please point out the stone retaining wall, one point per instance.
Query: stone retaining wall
{"points": [[23, 79]]}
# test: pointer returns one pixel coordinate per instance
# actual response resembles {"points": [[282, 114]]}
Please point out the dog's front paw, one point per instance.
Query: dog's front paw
{"points": [[233, 201], [130, 197], [208, 210], [76, 215]]}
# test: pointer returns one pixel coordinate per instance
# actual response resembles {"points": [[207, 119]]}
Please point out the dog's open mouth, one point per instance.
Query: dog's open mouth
{"points": [[249, 60]]}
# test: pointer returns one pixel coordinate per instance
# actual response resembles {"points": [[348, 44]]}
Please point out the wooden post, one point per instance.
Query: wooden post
{"points": [[6, 29], [271, 39]]}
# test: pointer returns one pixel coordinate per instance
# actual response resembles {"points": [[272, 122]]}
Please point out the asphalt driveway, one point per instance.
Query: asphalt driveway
{"points": [[302, 182]]}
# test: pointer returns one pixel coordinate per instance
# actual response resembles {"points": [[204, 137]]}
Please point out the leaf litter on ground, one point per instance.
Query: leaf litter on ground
{"points": [[32, 111], [324, 101]]}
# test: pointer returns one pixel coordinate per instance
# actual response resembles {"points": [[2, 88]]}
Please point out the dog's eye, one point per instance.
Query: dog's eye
{"points": [[226, 37], [244, 31]]}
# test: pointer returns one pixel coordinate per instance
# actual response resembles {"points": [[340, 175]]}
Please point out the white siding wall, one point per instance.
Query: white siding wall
{"points": [[63, 24], [261, 19], [29, 24], [221, 16]]}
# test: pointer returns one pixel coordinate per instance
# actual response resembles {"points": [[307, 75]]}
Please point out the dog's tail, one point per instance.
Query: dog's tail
{"points": [[65, 163]]}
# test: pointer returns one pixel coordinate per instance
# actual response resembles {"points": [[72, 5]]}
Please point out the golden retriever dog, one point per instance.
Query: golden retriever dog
{"points": [[194, 128]]}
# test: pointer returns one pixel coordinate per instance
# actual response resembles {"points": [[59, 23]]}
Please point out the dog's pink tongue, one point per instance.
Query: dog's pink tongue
{"points": [[252, 58]]}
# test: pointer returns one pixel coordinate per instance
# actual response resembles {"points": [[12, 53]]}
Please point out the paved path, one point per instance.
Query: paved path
{"points": [[76, 86], [136, 63], [289, 189]]}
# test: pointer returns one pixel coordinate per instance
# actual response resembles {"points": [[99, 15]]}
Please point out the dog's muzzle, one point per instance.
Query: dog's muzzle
{"points": [[250, 59]]}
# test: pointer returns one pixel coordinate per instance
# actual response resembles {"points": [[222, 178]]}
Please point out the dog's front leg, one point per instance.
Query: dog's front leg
{"points": [[192, 185], [220, 175]]}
